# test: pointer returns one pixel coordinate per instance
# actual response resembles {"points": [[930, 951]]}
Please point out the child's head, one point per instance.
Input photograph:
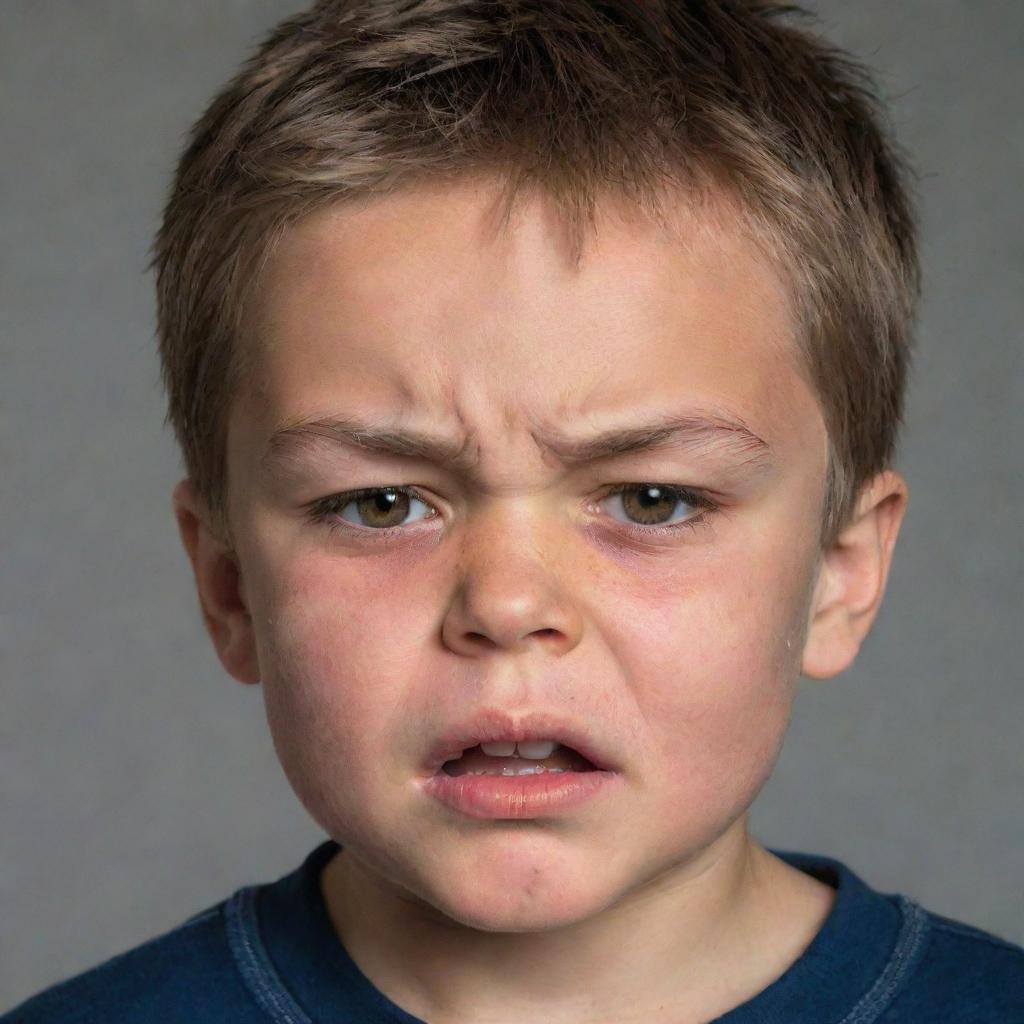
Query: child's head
{"points": [[512, 229]]}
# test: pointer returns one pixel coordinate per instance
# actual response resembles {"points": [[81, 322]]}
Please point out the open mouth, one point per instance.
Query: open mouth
{"points": [[520, 761], [499, 778]]}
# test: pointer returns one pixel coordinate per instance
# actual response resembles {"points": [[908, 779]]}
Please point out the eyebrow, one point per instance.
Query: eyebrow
{"points": [[698, 432]]}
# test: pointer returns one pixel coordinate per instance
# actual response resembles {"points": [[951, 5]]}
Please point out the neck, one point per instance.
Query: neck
{"points": [[688, 945]]}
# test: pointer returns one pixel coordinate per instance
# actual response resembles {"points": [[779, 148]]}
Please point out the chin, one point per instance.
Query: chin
{"points": [[524, 915], [527, 896]]}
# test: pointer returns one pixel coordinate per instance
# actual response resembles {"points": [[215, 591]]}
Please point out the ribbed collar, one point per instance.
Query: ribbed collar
{"points": [[847, 975]]}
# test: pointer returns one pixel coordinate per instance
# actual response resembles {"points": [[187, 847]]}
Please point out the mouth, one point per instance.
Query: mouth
{"points": [[496, 766], [498, 743], [512, 759]]}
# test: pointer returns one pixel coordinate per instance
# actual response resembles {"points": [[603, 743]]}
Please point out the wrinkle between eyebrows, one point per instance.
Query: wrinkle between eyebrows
{"points": [[698, 433]]}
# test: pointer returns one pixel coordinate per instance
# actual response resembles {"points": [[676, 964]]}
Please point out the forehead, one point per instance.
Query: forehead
{"points": [[423, 307]]}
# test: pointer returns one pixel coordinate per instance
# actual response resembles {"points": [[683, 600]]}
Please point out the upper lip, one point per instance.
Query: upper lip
{"points": [[493, 726]]}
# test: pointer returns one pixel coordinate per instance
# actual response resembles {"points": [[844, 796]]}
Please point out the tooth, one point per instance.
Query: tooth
{"points": [[498, 749], [536, 750]]}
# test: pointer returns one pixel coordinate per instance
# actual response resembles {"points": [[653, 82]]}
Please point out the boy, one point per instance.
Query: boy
{"points": [[538, 368]]}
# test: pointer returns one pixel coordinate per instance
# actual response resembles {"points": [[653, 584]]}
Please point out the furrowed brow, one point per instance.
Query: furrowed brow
{"points": [[695, 433], [288, 443], [688, 433]]}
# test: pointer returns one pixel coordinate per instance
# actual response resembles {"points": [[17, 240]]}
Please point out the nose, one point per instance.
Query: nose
{"points": [[511, 592]]}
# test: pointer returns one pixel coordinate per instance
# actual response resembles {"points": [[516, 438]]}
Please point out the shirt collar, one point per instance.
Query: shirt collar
{"points": [[845, 963]]}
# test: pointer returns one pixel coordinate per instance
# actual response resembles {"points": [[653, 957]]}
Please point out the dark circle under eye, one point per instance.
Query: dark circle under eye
{"points": [[383, 508], [649, 505]]}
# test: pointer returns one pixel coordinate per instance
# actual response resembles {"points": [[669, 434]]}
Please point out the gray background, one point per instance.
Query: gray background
{"points": [[138, 781]]}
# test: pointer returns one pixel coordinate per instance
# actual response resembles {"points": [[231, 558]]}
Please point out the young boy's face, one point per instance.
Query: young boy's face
{"points": [[518, 585]]}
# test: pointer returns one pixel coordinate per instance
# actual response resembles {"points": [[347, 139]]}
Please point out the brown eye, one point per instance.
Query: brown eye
{"points": [[382, 508], [654, 504], [378, 508]]}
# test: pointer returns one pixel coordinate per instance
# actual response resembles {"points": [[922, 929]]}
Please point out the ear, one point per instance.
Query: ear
{"points": [[851, 578], [220, 586]]}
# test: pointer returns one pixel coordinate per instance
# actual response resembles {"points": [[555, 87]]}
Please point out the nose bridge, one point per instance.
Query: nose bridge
{"points": [[511, 588]]}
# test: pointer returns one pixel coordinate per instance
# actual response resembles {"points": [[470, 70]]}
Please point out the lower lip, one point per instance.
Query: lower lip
{"points": [[545, 795]]}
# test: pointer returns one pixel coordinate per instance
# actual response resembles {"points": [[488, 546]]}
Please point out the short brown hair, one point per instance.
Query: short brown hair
{"points": [[580, 99]]}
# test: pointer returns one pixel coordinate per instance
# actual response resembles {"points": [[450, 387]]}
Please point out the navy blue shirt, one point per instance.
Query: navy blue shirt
{"points": [[269, 953]]}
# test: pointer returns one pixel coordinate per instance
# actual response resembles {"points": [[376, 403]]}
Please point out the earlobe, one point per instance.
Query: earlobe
{"points": [[852, 576], [219, 585]]}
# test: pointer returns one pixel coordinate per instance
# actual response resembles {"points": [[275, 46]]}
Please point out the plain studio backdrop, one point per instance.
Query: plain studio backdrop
{"points": [[138, 781]]}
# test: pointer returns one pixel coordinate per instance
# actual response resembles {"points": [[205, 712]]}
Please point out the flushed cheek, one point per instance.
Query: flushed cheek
{"points": [[336, 668], [713, 680]]}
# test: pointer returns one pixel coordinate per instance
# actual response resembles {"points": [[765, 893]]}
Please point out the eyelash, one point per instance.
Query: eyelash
{"points": [[325, 509]]}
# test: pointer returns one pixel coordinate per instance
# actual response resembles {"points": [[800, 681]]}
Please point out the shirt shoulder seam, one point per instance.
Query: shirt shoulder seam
{"points": [[254, 965], [909, 941]]}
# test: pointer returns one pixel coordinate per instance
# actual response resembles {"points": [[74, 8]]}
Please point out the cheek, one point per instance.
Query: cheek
{"points": [[336, 658], [340, 629], [713, 653]]}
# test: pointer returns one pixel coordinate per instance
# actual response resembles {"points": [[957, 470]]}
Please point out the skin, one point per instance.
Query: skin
{"points": [[518, 586]]}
